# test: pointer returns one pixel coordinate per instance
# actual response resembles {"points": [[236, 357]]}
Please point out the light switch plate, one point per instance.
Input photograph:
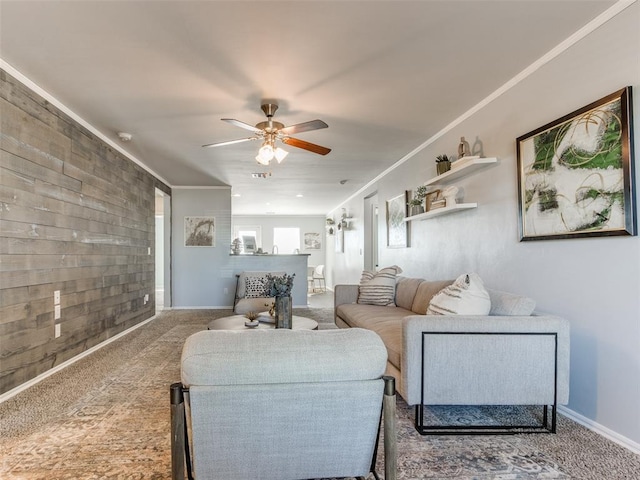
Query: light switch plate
{"points": [[56, 297], [56, 312]]}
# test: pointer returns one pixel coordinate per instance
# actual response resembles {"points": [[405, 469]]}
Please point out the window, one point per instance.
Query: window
{"points": [[287, 240], [251, 236]]}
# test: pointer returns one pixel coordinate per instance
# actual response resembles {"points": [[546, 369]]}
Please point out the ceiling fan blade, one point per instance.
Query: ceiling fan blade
{"points": [[303, 127], [230, 142], [240, 124], [295, 142]]}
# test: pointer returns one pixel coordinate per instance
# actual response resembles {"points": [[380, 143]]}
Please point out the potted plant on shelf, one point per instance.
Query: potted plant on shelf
{"points": [[443, 164], [416, 204]]}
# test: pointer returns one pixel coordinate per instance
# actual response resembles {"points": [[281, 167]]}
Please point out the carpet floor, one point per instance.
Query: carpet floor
{"points": [[107, 417]]}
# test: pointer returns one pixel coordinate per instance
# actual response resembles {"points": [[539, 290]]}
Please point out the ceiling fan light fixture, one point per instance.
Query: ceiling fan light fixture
{"points": [[265, 154], [280, 154]]}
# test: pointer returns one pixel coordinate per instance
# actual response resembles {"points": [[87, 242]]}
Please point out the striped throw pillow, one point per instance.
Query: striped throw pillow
{"points": [[465, 296], [379, 288]]}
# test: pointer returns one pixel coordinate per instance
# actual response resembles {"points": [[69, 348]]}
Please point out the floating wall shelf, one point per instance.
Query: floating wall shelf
{"points": [[458, 207], [468, 167], [459, 172]]}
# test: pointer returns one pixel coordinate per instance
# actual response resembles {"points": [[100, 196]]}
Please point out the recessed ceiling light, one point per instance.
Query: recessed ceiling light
{"points": [[299, 195], [236, 195]]}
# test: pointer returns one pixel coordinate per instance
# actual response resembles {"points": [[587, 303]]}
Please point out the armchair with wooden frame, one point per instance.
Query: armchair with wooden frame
{"points": [[282, 404]]}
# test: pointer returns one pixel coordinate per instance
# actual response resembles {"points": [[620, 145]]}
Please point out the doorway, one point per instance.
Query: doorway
{"points": [[371, 232], [163, 251]]}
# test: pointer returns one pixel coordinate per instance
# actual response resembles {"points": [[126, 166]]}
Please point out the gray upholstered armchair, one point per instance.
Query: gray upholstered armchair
{"points": [[282, 404]]}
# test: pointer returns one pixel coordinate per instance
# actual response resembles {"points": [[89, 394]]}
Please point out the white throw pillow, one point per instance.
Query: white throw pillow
{"points": [[465, 296], [379, 288]]}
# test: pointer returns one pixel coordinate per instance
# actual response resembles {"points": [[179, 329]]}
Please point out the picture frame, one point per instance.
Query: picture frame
{"points": [[199, 231], [576, 174], [312, 241], [397, 228]]}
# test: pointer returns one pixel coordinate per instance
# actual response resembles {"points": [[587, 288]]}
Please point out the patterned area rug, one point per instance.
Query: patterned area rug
{"points": [[107, 417]]}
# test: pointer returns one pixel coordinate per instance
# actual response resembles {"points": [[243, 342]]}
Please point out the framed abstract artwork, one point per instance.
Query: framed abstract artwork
{"points": [[312, 241], [576, 174], [397, 228], [199, 232]]}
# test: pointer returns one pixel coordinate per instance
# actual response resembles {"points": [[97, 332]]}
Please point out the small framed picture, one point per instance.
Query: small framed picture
{"points": [[199, 232], [397, 228]]}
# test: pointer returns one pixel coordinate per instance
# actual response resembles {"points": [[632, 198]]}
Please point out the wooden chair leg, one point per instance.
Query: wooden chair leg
{"points": [[390, 429], [177, 432]]}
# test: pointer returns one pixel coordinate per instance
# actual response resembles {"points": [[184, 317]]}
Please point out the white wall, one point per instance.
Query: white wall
{"points": [[593, 282]]}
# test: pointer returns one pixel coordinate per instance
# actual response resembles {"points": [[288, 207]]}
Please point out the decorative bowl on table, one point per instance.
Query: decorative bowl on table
{"points": [[252, 320]]}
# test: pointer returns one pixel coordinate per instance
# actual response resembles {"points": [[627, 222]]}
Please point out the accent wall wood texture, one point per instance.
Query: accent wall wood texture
{"points": [[75, 216]]}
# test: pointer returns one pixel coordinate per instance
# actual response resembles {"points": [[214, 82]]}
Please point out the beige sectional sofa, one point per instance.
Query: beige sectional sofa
{"points": [[513, 356]]}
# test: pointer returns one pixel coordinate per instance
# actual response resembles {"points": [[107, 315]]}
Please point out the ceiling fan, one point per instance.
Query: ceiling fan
{"points": [[271, 131]]}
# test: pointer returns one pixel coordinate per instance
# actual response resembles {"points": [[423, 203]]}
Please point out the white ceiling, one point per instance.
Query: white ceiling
{"points": [[385, 76]]}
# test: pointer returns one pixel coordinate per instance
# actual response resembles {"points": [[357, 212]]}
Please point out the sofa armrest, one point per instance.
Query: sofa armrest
{"points": [[345, 294], [486, 359]]}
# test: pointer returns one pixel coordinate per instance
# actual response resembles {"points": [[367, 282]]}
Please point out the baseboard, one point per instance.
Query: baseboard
{"points": [[30, 383], [205, 307], [600, 429]]}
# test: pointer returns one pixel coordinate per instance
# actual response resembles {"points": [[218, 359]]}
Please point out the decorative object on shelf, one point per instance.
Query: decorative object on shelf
{"points": [[434, 200], [199, 232], [236, 246], [463, 148], [345, 219], [397, 228], [575, 174], [449, 194], [280, 288], [416, 206], [330, 226], [442, 164], [417, 203]]}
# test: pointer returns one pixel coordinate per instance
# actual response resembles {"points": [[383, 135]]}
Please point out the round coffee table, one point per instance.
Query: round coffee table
{"points": [[236, 322]]}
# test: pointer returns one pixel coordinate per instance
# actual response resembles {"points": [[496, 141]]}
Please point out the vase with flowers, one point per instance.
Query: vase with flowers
{"points": [[280, 287]]}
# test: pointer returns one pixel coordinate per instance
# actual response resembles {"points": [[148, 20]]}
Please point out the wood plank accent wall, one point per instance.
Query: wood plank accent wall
{"points": [[75, 216]]}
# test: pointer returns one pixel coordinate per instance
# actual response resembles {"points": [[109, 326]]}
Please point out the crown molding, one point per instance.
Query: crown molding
{"points": [[59, 105]]}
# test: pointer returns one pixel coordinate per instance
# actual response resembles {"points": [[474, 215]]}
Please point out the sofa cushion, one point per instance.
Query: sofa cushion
{"points": [[378, 288], [406, 290], [465, 296], [386, 322], [503, 303], [426, 290]]}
